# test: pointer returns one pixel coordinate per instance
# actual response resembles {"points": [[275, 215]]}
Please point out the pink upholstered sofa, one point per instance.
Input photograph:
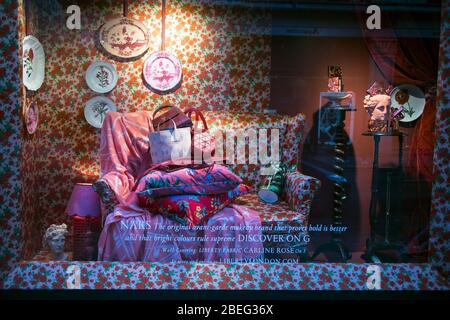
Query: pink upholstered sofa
{"points": [[287, 219]]}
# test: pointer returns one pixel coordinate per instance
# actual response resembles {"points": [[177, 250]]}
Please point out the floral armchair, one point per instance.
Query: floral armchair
{"points": [[285, 223]]}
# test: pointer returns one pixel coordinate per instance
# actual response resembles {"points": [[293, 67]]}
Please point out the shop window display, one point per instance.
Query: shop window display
{"points": [[177, 144]]}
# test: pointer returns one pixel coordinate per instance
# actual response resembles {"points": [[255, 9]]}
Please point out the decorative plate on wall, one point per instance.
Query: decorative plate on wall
{"points": [[32, 117], [162, 71], [101, 76], [33, 59], [96, 108], [411, 99], [124, 37]]}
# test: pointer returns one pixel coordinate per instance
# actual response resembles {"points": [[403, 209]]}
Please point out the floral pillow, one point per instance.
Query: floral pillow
{"points": [[210, 180], [192, 209]]}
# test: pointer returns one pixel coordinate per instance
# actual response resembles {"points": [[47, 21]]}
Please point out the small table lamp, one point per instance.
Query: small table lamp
{"points": [[85, 211]]}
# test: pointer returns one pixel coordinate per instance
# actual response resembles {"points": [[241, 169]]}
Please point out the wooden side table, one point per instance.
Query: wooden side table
{"points": [[372, 243]]}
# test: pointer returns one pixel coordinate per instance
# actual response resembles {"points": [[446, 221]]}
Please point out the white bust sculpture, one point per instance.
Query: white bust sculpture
{"points": [[377, 106], [54, 239]]}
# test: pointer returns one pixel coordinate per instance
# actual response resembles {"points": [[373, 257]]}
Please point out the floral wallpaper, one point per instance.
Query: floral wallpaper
{"points": [[225, 55], [10, 140], [29, 215]]}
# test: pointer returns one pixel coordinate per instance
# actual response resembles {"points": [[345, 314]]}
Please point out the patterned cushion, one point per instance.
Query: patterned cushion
{"points": [[210, 180], [191, 209]]}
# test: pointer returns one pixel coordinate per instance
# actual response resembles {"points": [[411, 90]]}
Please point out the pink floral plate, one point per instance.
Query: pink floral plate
{"points": [[124, 37], [32, 117], [162, 71]]}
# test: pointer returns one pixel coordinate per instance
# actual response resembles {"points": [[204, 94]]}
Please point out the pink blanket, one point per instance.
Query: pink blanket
{"points": [[131, 233]]}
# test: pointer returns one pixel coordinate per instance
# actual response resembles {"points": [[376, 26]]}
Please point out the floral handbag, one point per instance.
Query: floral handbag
{"points": [[203, 143]]}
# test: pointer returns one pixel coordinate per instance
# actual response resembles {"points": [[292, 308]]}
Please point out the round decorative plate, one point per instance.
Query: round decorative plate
{"points": [[96, 108], [33, 59], [101, 76], [124, 37], [162, 71], [411, 99], [32, 117]]}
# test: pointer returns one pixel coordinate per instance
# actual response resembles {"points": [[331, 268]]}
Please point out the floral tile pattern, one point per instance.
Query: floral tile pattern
{"points": [[103, 275], [440, 210]]}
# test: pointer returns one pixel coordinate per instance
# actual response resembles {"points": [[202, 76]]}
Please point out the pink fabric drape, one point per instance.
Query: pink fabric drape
{"points": [[131, 233], [124, 151]]}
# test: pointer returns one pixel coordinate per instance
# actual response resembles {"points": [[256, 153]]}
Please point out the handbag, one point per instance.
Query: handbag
{"points": [[172, 114], [172, 144], [202, 141]]}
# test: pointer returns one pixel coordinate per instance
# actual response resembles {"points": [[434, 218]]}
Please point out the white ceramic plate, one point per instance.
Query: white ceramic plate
{"points": [[124, 37], [411, 99], [96, 108], [162, 71], [33, 61], [32, 117], [101, 76]]}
